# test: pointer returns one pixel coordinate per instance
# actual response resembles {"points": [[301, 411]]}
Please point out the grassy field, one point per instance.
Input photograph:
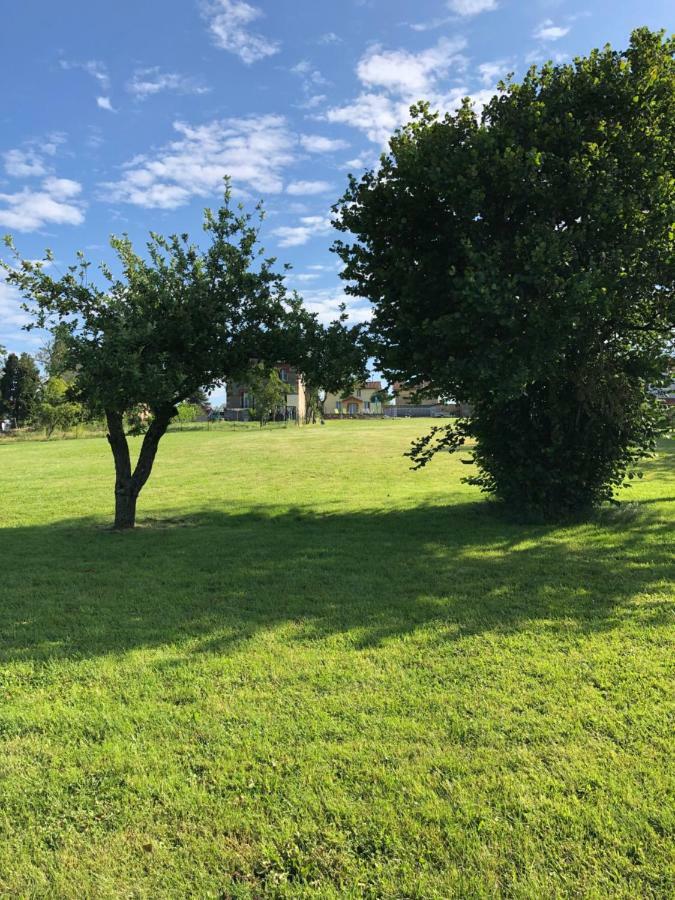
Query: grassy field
{"points": [[313, 672]]}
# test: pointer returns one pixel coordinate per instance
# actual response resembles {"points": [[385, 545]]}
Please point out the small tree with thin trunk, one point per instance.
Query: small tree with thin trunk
{"points": [[179, 320], [269, 392]]}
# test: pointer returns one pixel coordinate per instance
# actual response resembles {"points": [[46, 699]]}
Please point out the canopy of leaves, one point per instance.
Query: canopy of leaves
{"points": [[54, 409], [173, 322], [529, 257]]}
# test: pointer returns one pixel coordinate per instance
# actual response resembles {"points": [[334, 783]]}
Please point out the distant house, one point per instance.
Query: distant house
{"points": [[240, 397], [359, 402], [415, 402]]}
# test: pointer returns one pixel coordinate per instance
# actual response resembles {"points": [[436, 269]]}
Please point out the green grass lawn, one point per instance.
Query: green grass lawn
{"points": [[313, 672]]}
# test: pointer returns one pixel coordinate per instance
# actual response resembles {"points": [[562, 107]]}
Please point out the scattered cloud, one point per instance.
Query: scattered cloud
{"points": [[401, 71], [431, 25], [326, 302], [305, 277], [228, 21], [93, 67], [147, 82], [548, 31], [472, 7], [56, 202], [297, 235], [253, 151], [311, 81], [395, 79], [492, 72], [24, 163], [104, 103], [377, 115], [317, 143], [329, 38], [307, 188], [308, 72]]}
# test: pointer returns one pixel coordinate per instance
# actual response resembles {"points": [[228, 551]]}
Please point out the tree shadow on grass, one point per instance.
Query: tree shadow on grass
{"points": [[211, 581]]}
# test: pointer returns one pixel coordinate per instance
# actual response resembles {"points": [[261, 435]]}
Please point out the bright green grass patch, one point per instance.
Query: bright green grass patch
{"points": [[315, 673]]}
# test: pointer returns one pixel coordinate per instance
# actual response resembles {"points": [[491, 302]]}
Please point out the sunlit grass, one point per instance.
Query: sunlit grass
{"points": [[312, 672]]}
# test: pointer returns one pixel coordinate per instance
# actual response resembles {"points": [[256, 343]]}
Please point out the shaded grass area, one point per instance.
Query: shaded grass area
{"points": [[313, 673]]}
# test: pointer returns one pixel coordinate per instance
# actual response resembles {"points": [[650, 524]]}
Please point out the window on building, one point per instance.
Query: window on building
{"points": [[366, 405], [283, 374], [358, 393], [352, 409], [338, 406]]}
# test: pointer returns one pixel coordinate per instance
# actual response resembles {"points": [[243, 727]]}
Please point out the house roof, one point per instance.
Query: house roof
{"points": [[373, 385]]}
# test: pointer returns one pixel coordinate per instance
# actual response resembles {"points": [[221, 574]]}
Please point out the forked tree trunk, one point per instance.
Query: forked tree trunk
{"points": [[128, 484]]}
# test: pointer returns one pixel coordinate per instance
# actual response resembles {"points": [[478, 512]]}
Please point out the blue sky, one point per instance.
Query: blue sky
{"points": [[125, 116]]}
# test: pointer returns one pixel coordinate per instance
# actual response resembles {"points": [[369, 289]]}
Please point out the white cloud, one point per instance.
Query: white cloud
{"points": [[227, 23], [104, 103], [311, 81], [410, 74], [548, 31], [313, 101], [297, 235], [325, 302], [24, 163], [147, 82], [377, 115], [252, 151], [305, 188], [29, 161], [305, 277], [308, 73], [316, 143], [472, 7], [403, 78], [492, 72], [57, 202]]}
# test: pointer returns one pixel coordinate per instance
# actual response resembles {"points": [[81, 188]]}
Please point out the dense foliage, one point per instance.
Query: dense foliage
{"points": [[19, 388], [524, 263]]}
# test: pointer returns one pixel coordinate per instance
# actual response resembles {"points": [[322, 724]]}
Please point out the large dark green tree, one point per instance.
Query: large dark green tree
{"points": [[19, 387], [174, 322], [524, 262]]}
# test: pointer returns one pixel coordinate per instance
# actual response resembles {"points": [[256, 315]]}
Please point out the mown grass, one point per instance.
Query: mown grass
{"points": [[314, 673]]}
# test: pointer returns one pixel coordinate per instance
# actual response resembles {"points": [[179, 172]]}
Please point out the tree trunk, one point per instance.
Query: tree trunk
{"points": [[125, 501], [125, 509], [127, 485]]}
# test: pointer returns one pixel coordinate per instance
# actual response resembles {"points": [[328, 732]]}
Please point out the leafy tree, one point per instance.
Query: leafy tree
{"points": [[269, 392], [54, 353], [524, 263], [54, 409], [19, 386], [177, 321], [333, 360], [187, 412]]}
